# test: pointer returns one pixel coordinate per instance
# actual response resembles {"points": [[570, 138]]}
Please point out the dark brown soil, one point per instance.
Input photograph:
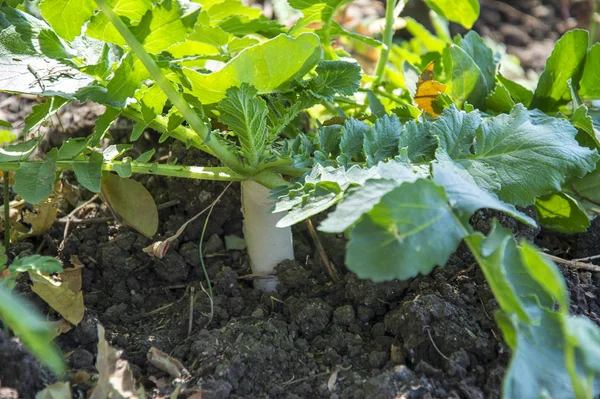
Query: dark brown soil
{"points": [[430, 337]]}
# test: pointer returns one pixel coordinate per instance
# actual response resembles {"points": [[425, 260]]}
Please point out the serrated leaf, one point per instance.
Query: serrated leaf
{"points": [[559, 212], [31, 328], [456, 131], [330, 138], [34, 181], [266, 67], [410, 231], [590, 80], [381, 140], [89, 174], [246, 115], [103, 123], [67, 17], [152, 102], [127, 79], [565, 62], [464, 12], [588, 135], [131, 201], [500, 99], [335, 77], [419, 141], [353, 136], [526, 157]]}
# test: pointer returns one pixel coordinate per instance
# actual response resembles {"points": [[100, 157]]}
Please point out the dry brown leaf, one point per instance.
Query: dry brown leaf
{"points": [[115, 379], [71, 193], [37, 222], [58, 390], [63, 294], [61, 326], [166, 363]]}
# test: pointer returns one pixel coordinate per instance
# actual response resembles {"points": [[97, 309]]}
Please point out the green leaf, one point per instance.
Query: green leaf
{"points": [[483, 56], [152, 102], [67, 17], [565, 62], [322, 189], [115, 150], [212, 35], [4, 123], [71, 148], [32, 329], [456, 131], [467, 81], [418, 140], [467, 198], [464, 12], [527, 158], [590, 80], [89, 174], [329, 139], [335, 77], [18, 152], [241, 26], [583, 122], [52, 46], [519, 94], [427, 39], [352, 140], [42, 112], [166, 27], [130, 200], [103, 123], [500, 99], [382, 139], [362, 199], [146, 157], [560, 212], [123, 168], [315, 10], [34, 181], [267, 66], [246, 115], [44, 264], [410, 231]]}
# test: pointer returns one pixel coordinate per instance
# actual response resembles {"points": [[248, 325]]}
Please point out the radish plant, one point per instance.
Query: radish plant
{"points": [[407, 155]]}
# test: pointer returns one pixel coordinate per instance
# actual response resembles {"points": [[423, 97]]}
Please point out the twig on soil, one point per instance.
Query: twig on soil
{"points": [[71, 215], [574, 264], [331, 270], [191, 319], [434, 345], [588, 258]]}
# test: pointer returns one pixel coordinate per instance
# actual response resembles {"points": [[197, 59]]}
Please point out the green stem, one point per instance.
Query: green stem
{"points": [[6, 211], [181, 133], [190, 172], [388, 34], [220, 150]]}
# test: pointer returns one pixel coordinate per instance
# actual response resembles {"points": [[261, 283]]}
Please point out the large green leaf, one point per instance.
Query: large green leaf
{"points": [[67, 17], [483, 56], [527, 158], [166, 27], [23, 66], [31, 328], [267, 66], [18, 152], [246, 115], [335, 77], [456, 131], [565, 62], [590, 80], [465, 12], [34, 181], [410, 231], [560, 212]]}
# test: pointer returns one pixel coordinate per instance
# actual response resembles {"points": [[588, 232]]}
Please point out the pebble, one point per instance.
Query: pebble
{"points": [[344, 315]]}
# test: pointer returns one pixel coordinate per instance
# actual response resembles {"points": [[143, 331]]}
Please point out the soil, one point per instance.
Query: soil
{"points": [[429, 337]]}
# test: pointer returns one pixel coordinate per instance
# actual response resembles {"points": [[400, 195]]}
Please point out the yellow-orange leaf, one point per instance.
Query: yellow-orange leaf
{"points": [[428, 90]]}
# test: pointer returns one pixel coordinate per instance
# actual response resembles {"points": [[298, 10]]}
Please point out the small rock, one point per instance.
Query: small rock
{"points": [[82, 359], [378, 359], [365, 313], [344, 315], [214, 245], [259, 313], [378, 330]]}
